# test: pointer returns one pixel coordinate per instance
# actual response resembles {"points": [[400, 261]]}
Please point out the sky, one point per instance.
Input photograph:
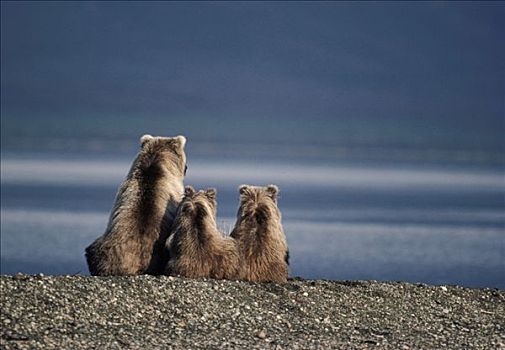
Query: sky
{"points": [[428, 74]]}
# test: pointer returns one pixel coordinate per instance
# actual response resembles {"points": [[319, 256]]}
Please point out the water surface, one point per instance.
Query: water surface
{"points": [[343, 220]]}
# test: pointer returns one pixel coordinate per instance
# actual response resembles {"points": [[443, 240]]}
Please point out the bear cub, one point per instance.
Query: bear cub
{"points": [[197, 249], [260, 236]]}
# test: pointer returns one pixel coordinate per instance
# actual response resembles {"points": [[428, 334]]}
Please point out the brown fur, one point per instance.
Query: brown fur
{"points": [[261, 239], [197, 249], [143, 211]]}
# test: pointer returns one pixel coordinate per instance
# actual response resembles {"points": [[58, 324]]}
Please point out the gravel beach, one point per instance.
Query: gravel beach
{"points": [[146, 312]]}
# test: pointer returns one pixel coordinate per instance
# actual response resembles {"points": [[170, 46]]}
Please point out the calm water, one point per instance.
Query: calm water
{"points": [[343, 220]]}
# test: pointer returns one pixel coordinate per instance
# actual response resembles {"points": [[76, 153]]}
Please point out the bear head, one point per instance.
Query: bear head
{"points": [[199, 204], [167, 152], [257, 200]]}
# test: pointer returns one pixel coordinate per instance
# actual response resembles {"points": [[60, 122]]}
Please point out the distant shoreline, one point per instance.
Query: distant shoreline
{"points": [[168, 312]]}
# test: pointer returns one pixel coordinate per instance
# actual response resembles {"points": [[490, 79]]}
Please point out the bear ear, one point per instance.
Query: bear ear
{"points": [[243, 189], [272, 191], [145, 138], [246, 191], [181, 141], [211, 193], [189, 191]]}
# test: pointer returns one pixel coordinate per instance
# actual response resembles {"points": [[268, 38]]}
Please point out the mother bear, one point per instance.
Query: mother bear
{"points": [[143, 212]]}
